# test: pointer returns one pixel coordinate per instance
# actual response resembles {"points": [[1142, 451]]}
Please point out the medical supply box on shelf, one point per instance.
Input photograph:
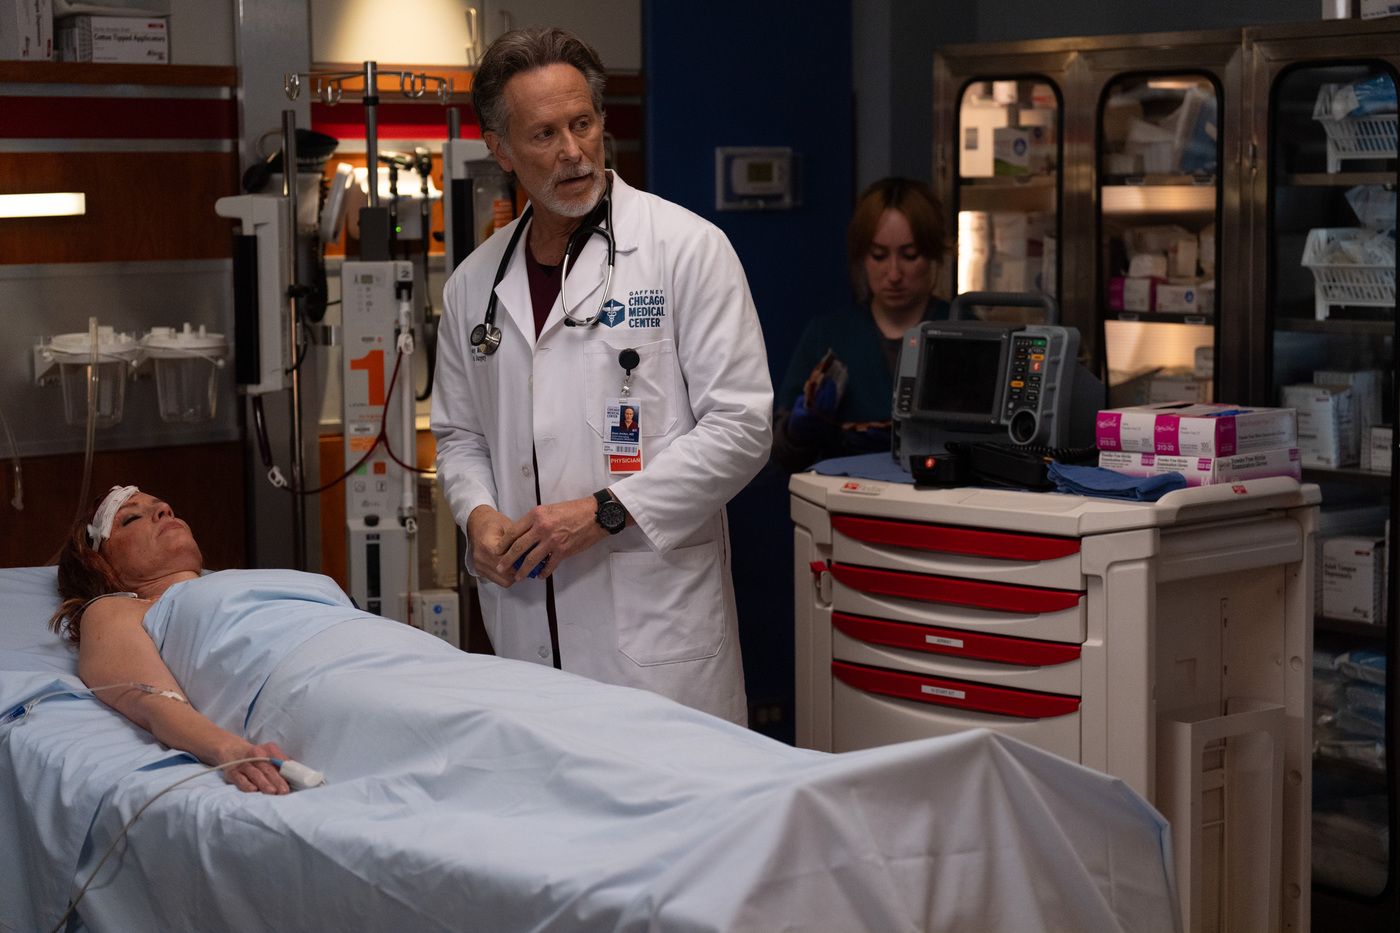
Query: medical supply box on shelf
{"points": [[1168, 644]]}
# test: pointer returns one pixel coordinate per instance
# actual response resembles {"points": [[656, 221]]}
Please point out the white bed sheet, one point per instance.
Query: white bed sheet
{"points": [[548, 802]]}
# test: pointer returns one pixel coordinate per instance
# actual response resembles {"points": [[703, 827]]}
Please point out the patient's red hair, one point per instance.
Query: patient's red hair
{"points": [[83, 573]]}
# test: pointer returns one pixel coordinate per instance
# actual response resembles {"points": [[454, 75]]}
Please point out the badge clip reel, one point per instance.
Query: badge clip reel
{"points": [[629, 360]]}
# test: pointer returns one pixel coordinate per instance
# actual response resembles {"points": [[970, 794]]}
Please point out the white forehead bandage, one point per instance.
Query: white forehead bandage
{"points": [[101, 528]]}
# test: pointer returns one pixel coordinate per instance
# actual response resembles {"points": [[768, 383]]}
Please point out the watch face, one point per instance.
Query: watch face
{"points": [[612, 516]]}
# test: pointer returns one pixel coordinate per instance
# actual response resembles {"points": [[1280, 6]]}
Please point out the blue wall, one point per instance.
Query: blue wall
{"points": [[719, 74]]}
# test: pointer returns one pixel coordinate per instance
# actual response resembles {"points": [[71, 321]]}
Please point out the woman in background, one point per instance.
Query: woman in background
{"points": [[834, 399]]}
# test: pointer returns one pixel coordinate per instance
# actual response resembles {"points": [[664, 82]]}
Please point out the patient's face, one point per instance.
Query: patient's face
{"points": [[149, 542]]}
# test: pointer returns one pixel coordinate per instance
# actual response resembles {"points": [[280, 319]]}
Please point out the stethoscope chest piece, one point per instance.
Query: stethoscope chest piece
{"points": [[486, 338]]}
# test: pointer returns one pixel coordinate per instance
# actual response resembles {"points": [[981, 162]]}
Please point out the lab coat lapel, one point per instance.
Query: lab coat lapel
{"points": [[513, 294]]}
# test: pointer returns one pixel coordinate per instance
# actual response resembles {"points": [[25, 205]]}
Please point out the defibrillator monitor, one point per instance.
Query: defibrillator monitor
{"points": [[975, 380]]}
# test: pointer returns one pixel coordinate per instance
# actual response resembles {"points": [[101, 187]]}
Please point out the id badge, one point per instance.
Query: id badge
{"points": [[622, 435]]}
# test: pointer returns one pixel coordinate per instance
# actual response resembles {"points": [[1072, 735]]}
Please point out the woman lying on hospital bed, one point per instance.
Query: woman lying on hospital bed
{"points": [[463, 785]]}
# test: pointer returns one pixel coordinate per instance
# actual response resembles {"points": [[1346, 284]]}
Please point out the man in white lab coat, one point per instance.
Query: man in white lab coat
{"points": [[602, 555]]}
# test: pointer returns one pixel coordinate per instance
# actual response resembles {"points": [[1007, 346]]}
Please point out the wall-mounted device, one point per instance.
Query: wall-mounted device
{"points": [[982, 381], [479, 197], [262, 274], [749, 178]]}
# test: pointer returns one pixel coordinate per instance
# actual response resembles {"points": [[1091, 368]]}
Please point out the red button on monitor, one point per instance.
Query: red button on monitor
{"points": [[381, 467]]}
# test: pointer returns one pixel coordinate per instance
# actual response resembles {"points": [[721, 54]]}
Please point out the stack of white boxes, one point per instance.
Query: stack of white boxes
{"points": [[26, 30], [1206, 444], [1329, 419]]}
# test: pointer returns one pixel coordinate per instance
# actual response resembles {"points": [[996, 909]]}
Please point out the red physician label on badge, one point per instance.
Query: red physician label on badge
{"points": [[624, 463]]}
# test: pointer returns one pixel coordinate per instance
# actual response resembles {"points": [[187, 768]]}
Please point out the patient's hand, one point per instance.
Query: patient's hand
{"points": [[251, 776], [488, 532], [550, 533]]}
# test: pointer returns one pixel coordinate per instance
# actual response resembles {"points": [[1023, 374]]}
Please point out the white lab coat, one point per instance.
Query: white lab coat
{"points": [[653, 606]]}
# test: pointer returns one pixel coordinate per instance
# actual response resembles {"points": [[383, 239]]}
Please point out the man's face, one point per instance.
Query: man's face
{"points": [[628, 417], [553, 140]]}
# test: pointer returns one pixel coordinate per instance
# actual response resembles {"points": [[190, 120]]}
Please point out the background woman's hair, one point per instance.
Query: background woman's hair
{"points": [[916, 201], [82, 574]]}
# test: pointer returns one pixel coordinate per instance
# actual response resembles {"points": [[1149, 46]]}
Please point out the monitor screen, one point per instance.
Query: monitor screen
{"points": [[960, 376]]}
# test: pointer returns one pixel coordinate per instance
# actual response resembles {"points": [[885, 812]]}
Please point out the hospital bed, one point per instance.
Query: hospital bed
{"points": [[555, 803]]}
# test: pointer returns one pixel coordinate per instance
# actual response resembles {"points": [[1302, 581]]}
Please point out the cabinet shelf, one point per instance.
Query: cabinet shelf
{"points": [[1042, 180], [1160, 317], [1349, 769], [1373, 482], [1336, 327], [1159, 180], [1338, 179], [103, 73], [1158, 199], [1349, 628]]}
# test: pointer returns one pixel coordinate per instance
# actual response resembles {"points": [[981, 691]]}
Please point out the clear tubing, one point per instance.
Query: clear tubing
{"points": [[17, 500], [91, 431]]}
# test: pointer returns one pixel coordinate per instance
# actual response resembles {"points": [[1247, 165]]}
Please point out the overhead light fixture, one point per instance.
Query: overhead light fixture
{"points": [[1175, 84], [43, 204]]}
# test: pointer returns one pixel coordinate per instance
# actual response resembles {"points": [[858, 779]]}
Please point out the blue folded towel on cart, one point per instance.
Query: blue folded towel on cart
{"points": [[1097, 481]]}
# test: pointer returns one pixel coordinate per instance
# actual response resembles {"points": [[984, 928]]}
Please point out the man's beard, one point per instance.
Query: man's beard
{"points": [[581, 206]]}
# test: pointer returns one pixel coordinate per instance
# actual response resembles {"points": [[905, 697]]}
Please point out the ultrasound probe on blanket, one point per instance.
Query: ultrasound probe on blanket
{"points": [[298, 775]]}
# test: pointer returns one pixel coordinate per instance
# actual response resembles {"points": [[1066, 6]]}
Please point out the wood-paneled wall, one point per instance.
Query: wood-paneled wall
{"points": [[202, 482]]}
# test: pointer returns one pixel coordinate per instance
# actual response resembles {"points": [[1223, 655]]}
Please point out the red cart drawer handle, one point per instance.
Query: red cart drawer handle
{"points": [[961, 694], [971, 541], [932, 589], [1027, 652]]}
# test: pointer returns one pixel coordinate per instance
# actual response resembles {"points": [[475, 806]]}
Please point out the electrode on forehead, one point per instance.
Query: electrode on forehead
{"points": [[101, 528]]}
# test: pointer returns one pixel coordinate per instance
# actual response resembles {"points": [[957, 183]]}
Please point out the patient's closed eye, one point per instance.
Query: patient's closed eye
{"points": [[130, 518]]}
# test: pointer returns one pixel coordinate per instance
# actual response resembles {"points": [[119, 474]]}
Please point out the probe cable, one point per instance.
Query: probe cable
{"points": [[73, 903]]}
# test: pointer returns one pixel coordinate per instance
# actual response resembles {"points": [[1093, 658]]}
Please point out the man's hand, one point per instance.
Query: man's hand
{"points": [[547, 534], [488, 532]]}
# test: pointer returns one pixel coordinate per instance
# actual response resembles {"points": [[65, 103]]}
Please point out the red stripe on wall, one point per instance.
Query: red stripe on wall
{"points": [[117, 118], [395, 121], [429, 121]]}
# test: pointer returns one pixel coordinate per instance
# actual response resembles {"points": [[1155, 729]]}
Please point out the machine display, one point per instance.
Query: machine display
{"points": [[968, 381]]}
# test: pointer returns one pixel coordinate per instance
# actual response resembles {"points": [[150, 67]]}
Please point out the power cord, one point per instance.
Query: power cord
{"points": [[73, 903]]}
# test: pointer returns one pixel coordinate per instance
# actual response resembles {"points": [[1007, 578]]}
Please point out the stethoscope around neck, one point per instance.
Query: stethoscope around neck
{"points": [[486, 336]]}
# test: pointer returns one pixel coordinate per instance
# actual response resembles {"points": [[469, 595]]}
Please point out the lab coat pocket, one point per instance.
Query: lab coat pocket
{"points": [[670, 607], [654, 386]]}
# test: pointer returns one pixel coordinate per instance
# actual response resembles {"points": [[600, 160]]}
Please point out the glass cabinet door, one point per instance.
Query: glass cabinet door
{"points": [[1331, 302], [1008, 187], [1158, 210]]}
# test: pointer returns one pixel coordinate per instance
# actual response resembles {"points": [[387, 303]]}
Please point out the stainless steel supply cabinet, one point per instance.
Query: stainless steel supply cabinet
{"points": [[1283, 312]]}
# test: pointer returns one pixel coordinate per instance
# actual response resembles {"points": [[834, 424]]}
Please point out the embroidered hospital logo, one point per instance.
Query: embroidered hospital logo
{"points": [[613, 312], [646, 307]]}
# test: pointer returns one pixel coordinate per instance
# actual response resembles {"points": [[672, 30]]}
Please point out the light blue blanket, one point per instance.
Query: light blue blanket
{"points": [[467, 792]]}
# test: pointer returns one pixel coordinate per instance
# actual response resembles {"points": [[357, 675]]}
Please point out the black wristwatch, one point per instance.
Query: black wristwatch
{"points": [[610, 515]]}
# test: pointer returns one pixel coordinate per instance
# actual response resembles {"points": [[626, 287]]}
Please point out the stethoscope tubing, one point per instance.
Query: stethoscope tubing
{"points": [[486, 336]]}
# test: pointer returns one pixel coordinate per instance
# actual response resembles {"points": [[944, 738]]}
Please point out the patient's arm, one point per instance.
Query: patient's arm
{"points": [[115, 649]]}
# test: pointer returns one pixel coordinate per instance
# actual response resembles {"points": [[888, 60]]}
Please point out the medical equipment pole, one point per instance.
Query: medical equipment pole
{"points": [[289, 191], [371, 103]]}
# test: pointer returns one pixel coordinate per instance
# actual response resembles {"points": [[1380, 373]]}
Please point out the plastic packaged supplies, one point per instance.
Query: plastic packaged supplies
{"points": [[1373, 205], [1374, 95]]}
